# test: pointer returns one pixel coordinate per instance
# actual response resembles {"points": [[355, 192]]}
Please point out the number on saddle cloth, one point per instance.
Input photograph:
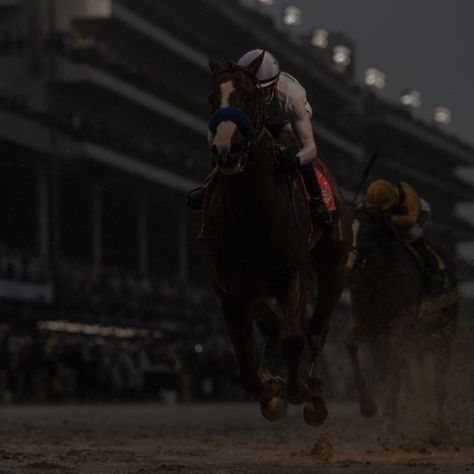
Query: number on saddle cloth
{"points": [[327, 192]]}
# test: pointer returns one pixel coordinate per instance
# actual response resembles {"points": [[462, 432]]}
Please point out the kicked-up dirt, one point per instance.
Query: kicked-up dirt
{"points": [[213, 438]]}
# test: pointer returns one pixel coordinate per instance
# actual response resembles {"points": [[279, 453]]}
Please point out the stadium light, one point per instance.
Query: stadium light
{"points": [[266, 2], [374, 78], [292, 16], [341, 55], [442, 115], [411, 98], [320, 38]]}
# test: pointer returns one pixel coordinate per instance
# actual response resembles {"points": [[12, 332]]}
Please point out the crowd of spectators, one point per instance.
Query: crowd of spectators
{"points": [[104, 293], [43, 366]]}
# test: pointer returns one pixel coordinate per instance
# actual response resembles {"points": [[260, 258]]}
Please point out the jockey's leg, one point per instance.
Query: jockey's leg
{"points": [[287, 138], [433, 274]]}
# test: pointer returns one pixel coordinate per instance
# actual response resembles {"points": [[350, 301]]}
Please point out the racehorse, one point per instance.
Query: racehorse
{"points": [[393, 316], [263, 252]]}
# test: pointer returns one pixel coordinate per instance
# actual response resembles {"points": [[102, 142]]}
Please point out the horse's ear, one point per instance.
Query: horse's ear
{"points": [[215, 67], [254, 66]]}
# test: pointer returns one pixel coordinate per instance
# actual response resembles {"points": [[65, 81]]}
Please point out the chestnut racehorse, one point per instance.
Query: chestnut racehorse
{"points": [[263, 252]]}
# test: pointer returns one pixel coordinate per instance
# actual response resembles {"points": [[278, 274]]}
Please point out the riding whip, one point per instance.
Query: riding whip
{"points": [[364, 177]]}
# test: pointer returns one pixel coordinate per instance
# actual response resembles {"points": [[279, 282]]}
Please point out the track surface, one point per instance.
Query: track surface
{"points": [[227, 438]]}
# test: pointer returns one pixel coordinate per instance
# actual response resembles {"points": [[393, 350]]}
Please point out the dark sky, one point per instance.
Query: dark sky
{"points": [[423, 44]]}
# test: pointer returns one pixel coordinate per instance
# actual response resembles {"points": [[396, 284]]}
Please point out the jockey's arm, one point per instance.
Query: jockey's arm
{"points": [[302, 128]]}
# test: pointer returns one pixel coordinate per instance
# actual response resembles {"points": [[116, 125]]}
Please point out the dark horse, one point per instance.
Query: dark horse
{"points": [[262, 251], [393, 316]]}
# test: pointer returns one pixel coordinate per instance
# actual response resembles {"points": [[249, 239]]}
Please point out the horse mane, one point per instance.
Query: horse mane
{"points": [[234, 67]]}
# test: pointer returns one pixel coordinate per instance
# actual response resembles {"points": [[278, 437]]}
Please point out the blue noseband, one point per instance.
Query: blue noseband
{"points": [[224, 114]]}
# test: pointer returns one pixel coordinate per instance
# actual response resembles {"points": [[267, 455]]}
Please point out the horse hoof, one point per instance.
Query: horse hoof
{"points": [[368, 408], [315, 412], [273, 409]]}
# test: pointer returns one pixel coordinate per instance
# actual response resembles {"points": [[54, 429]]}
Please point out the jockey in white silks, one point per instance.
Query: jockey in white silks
{"points": [[288, 118]]}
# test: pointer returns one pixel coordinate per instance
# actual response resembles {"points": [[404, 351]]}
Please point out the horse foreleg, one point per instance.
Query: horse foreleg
{"points": [[292, 299], [396, 368], [239, 326], [268, 324], [368, 408], [330, 286]]}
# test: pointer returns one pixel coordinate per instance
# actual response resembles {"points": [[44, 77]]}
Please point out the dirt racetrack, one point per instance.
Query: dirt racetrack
{"points": [[217, 438]]}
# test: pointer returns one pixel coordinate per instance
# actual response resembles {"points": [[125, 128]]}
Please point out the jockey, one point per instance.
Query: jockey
{"points": [[288, 118], [409, 215]]}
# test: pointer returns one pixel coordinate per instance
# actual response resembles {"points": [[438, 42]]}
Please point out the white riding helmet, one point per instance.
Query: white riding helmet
{"points": [[269, 71]]}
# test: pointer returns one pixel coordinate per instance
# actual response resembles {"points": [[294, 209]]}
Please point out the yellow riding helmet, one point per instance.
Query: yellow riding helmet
{"points": [[382, 194]]}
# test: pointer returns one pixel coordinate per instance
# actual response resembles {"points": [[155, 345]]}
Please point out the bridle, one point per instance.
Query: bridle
{"points": [[254, 126]]}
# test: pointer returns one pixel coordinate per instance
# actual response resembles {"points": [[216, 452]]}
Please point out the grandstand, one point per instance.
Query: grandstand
{"points": [[103, 109]]}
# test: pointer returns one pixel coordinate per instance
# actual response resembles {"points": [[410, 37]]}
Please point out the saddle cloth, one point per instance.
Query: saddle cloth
{"points": [[326, 191]]}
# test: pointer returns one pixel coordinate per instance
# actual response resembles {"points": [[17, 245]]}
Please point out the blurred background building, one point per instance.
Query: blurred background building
{"points": [[103, 108]]}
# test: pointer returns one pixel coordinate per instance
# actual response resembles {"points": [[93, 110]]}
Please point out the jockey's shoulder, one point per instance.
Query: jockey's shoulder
{"points": [[290, 88]]}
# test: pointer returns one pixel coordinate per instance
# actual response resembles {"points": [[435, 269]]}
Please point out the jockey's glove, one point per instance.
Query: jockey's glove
{"points": [[286, 160]]}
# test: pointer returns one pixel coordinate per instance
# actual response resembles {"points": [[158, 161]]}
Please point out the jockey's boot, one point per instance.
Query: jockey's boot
{"points": [[195, 198], [321, 213], [434, 277]]}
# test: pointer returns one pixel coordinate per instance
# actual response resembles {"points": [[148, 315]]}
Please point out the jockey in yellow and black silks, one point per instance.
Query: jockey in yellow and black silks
{"points": [[408, 214]]}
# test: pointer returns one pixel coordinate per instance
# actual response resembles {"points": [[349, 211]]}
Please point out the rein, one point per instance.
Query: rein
{"points": [[252, 128]]}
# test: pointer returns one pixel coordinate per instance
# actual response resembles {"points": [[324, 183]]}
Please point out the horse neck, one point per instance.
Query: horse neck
{"points": [[386, 246], [251, 194]]}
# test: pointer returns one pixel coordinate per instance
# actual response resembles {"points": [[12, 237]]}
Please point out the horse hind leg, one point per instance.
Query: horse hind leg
{"points": [[368, 407], [330, 286]]}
